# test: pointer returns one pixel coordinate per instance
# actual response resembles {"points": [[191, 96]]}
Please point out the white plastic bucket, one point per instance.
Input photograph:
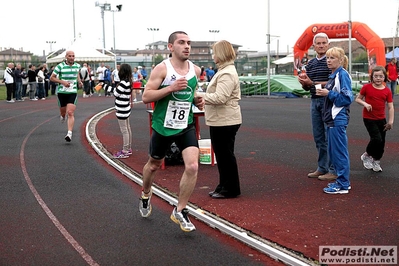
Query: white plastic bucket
{"points": [[205, 151]]}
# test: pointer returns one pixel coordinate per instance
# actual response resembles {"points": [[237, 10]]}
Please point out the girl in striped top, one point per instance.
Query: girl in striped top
{"points": [[122, 94]]}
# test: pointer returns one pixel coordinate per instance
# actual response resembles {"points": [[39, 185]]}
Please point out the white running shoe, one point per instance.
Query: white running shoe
{"points": [[68, 137], [182, 219], [367, 161], [145, 207], [377, 166]]}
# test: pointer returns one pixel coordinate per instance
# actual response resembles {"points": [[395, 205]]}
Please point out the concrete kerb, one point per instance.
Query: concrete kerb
{"points": [[271, 249]]}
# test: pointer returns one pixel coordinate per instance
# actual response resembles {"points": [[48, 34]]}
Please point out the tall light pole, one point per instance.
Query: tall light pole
{"points": [[214, 33], [153, 30], [73, 9], [51, 45], [118, 9], [350, 38], [268, 48], [104, 7]]}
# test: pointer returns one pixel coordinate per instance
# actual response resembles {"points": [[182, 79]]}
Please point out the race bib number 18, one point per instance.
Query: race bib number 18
{"points": [[177, 115]]}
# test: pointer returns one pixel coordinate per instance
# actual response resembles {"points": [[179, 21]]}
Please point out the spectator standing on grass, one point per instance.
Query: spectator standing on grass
{"points": [[85, 78], [53, 85], [40, 83], [18, 83], [32, 83], [25, 82], [107, 80], [9, 81], [100, 72], [115, 76], [374, 96]]}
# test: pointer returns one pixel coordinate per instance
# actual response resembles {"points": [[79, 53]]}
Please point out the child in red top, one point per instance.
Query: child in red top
{"points": [[392, 73], [374, 96]]}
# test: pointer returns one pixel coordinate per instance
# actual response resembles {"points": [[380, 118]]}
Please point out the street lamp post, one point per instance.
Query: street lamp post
{"points": [[74, 29], [214, 33], [153, 30], [51, 45], [104, 7], [118, 9]]}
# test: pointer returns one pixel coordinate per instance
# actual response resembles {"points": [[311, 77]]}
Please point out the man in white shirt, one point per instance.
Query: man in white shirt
{"points": [[9, 81], [100, 71], [85, 78], [115, 77]]}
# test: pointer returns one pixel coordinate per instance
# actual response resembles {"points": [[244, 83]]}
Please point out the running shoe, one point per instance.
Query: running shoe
{"points": [[377, 166], [68, 137], [367, 161], [129, 152], [121, 155], [145, 207], [335, 188], [62, 118], [333, 184], [182, 219]]}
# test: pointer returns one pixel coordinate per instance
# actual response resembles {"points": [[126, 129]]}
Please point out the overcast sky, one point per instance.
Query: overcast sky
{"points": [[31, 24]]}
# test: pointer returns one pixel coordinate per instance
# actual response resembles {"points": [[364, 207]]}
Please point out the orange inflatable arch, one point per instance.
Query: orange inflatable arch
{"points": [[373, 43]]}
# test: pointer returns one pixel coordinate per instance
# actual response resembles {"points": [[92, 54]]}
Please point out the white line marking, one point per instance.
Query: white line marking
{"points": [[47, 210]]}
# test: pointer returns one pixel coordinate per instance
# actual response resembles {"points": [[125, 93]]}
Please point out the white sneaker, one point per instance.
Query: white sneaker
{"points": [[62, 119], [182, 219], [367, 161], [145, 207], [134, 100], [377, 166], [68, 137], [11, 101]]}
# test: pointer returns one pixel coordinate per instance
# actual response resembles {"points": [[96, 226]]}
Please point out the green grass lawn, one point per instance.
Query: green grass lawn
{"points": [[3, 94]]}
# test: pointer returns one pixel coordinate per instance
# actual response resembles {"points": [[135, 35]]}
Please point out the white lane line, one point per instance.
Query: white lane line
{"points": [[264, 246], [46, 209]]}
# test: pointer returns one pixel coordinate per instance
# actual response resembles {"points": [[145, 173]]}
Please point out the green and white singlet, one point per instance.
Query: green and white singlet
{"points": [[68, 73], [174, 113]]}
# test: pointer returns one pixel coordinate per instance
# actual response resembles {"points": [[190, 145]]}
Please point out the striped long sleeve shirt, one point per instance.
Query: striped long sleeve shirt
{"points": [[122, 95]]}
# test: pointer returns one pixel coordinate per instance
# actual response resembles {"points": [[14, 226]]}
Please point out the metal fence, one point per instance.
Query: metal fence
{"points": [[244, 67]]}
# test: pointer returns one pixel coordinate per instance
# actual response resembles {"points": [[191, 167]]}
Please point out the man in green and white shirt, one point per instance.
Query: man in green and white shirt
{"points": [[66, 74]]}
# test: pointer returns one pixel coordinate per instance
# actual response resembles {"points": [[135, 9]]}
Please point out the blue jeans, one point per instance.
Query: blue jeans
{"points": [[40, 90], [18, 90], [320, 136], [392, 86]]}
